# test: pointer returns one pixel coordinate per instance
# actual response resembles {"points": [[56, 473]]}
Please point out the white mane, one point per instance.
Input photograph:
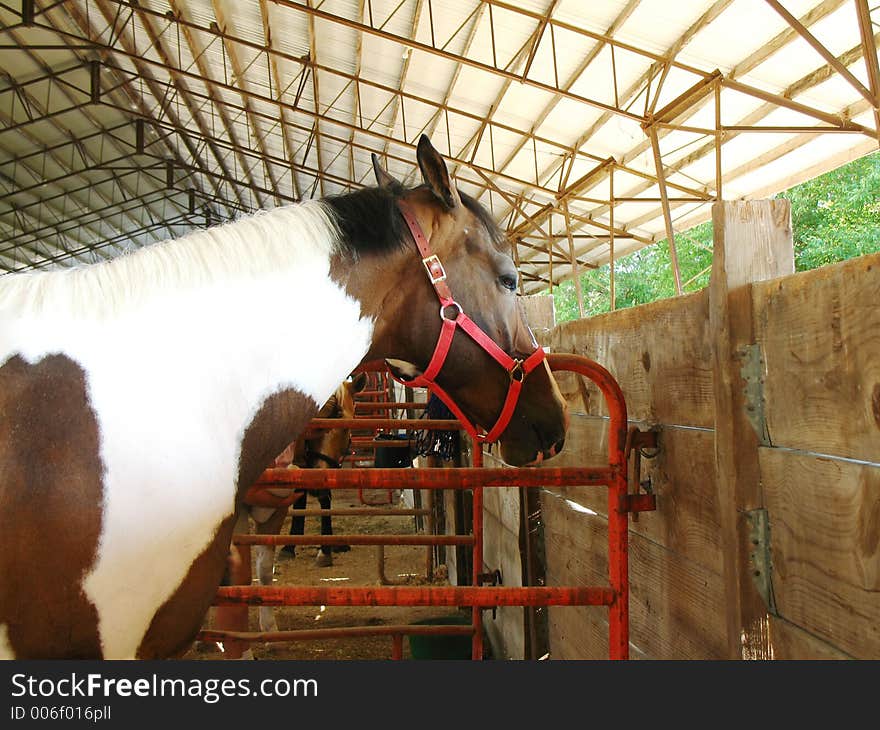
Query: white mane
{"points": [[258, 244]]}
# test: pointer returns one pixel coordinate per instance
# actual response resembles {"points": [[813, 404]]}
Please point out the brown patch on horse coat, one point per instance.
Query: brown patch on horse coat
{"points": [[52, 494], [177, 622], [280, 419]]}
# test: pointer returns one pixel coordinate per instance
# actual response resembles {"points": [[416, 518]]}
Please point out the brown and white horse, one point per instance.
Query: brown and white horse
{"points": [[141, 397]]}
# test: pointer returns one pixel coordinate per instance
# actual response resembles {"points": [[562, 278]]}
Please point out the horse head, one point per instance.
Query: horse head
{"points": [[462, 254]]}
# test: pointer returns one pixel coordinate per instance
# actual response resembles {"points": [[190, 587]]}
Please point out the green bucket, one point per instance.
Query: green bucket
{"points": [[441, 647]]}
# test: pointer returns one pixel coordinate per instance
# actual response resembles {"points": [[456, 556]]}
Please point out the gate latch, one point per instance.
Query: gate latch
{"points": [[493, 579]]}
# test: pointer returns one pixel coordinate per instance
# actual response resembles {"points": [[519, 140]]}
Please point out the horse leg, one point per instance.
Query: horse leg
{"points": [[325, 497], [235, 618], [324, 557], [297, 524], [265, 563]]}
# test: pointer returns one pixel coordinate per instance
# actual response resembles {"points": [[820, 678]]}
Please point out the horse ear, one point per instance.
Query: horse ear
{"points": [[403, 369], [358, 382], [435, 174], [383, 178]]}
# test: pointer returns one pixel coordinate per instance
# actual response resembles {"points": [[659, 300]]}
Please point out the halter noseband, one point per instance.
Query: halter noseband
{"points": [[516, 369], [314, 456]]}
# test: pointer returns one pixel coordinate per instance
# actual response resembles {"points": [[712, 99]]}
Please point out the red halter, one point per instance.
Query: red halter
{"points": [[516, 369]]}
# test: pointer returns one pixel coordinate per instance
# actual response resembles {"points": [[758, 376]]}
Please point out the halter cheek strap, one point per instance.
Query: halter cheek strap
{"points": [[516, 369]]}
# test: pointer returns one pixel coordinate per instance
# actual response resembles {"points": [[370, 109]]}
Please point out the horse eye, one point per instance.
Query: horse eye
{"points": [[508, 281]]}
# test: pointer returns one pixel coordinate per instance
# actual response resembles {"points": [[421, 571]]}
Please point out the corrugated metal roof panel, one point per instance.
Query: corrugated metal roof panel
{"points": [[500, 86]]}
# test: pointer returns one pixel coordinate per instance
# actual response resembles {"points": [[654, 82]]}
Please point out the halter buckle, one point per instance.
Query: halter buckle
{"points": [[435, 269]]}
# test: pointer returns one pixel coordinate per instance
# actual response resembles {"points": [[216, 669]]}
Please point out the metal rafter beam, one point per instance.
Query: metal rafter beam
{"points": [[121, 207], [489, 68], [241, 80], [144, 230], [128, 41], [121, 175], [869, 52], [640, 86], [77, 20], [36, 173], [289, 146], [316, 98], [643, 84], [570, 81], [829, 57], [356, 116], [430, 130], [314, 67], [396, 103], [149, 198], [81, 149], [87, 113], [803, 84], [344, 124], [199, 58]]}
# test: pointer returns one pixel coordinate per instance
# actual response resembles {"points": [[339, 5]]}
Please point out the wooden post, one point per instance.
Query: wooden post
{"points": [[611, 294], [753, 243], [667, 211], [574, 262]]}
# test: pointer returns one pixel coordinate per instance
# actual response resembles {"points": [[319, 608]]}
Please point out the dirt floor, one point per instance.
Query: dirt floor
{"points": [[358, 567]]}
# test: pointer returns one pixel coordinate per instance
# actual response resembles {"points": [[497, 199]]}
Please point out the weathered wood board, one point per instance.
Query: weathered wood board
{"points": [[501, 551], [539, 313], [660, 354], [676, 605], [791, 642], [820, 336], [825, 546], [682, 476]]}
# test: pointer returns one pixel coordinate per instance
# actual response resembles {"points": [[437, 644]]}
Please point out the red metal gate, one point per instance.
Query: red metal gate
{"points": [[612, 476]]}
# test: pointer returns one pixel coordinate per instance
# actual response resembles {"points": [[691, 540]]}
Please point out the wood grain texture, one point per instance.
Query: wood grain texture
{"points": [[682, 475], [752, 242], [540, 314], [820, 332], [660, 353], [791, 642], [501, 530], [825, 539], [676, 606]]}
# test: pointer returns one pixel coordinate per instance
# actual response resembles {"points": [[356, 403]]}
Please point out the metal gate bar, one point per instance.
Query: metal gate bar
{"points": [[613, 476]]}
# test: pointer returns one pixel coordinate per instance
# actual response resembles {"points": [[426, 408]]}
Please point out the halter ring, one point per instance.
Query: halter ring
{"points": [[450, 304]]}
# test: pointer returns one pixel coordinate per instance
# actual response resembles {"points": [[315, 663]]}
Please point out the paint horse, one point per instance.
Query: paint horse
{"points": [[141, 397]]}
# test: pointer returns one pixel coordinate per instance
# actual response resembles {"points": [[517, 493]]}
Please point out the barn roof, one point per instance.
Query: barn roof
{"points": [[584, 126]]}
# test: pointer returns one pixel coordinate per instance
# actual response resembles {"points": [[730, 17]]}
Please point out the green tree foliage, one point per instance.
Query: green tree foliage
{"points": [[837, 216], [834, 217]]}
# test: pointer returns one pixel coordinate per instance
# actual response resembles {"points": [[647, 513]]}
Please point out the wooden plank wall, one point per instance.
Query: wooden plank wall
{"points": [[661, 356], [501, 551], [818, 472], [820, 337], [502, 519]]}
